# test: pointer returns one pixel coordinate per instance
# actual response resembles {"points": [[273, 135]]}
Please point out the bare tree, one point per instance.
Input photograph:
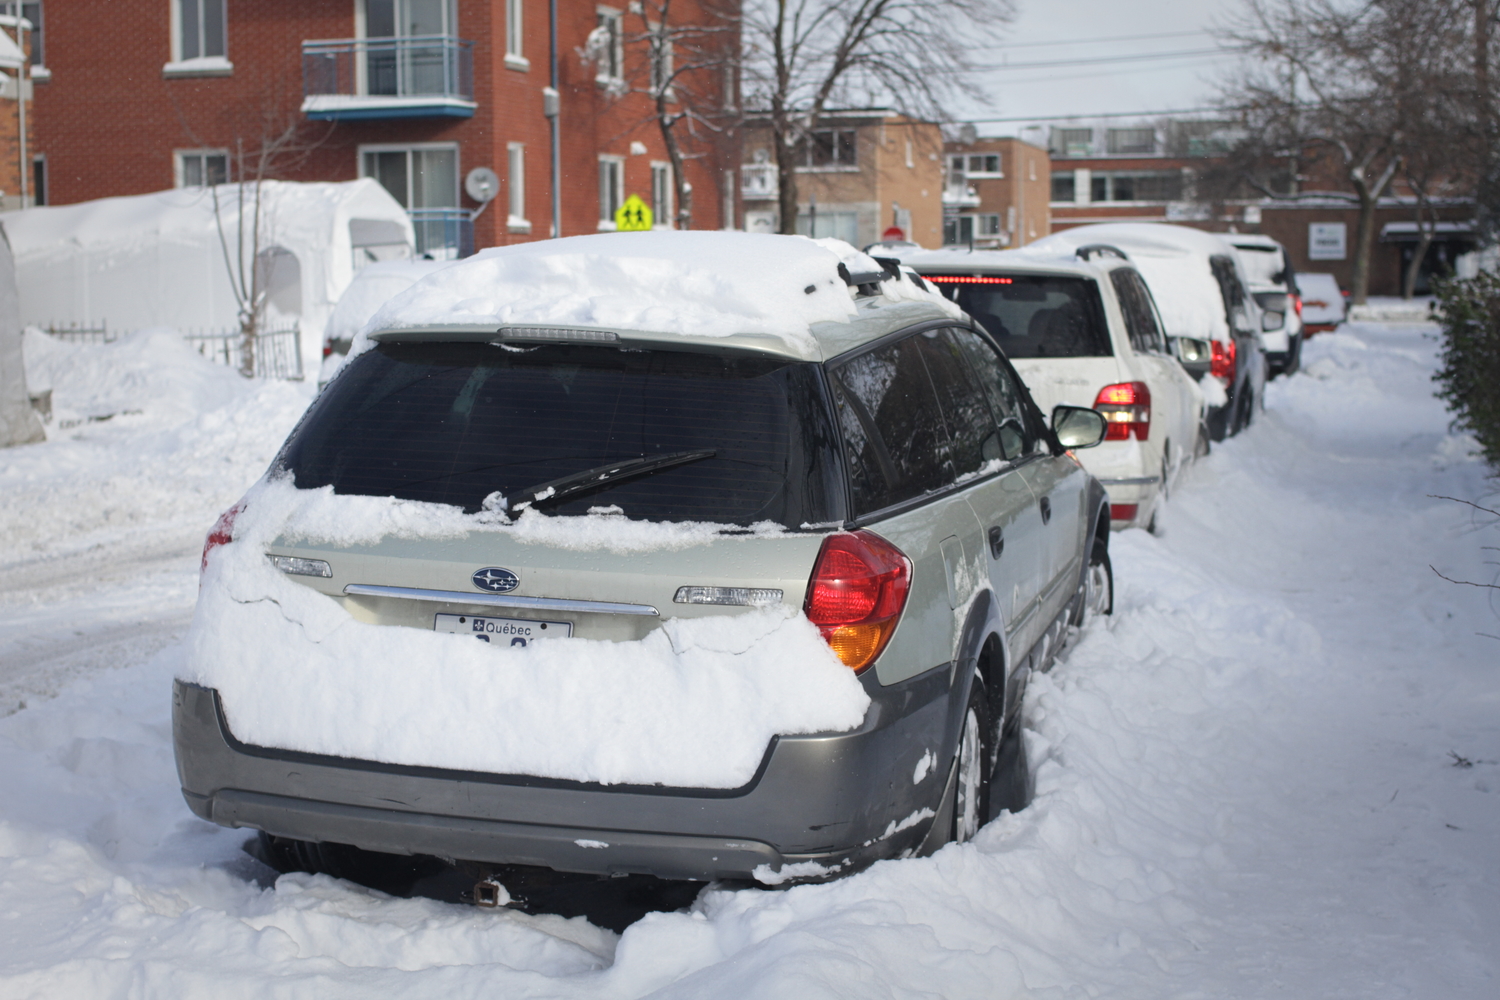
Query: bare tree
{"points": [[801, 56], [1350, 87], [685, 72], [281, 143]]}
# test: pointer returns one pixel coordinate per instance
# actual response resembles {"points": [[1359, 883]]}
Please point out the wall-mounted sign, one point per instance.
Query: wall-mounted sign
{"points": [[1327, 241], [634, 216]]}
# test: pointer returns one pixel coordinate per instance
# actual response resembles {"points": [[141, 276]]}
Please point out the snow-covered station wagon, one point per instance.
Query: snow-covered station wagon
{"points": [[702, 555]]}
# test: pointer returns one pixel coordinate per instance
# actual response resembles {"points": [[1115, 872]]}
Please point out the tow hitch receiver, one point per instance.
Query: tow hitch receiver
{"points": [[490, 893]]}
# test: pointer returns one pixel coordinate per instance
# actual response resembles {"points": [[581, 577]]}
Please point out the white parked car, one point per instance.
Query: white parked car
{"points": [[1206, 307], [1275, 287], [1082, 330], [1323, 305]]}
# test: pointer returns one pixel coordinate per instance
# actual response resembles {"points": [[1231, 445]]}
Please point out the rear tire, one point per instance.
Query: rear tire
{"points": [[971, 789]]}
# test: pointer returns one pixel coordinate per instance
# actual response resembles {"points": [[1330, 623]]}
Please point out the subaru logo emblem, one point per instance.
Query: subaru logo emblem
{"points": [[496, 580]]}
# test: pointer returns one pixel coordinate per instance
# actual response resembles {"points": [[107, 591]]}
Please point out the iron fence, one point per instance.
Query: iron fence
{"points": [[278, 351]]}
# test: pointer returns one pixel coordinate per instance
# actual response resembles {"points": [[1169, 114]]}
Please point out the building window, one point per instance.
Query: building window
{"points": [[607, 45], [1073, 141], [33, 13], [829, 147], [983, 165], [1062, 186], [611, 189], [661, 195], [39, 180], [199, 29], [958, 230], [516, 168], [416, 176], [1163, 185], [201, 167], [987, 225], [1131, 140], [514, 56]]}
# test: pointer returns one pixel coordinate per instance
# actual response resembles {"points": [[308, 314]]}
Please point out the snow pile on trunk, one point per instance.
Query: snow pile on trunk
{"points": [[693, 704], [703, 284]]}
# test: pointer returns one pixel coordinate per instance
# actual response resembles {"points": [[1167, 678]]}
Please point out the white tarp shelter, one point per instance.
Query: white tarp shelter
{"points": [[18, 422], [166, 259]]}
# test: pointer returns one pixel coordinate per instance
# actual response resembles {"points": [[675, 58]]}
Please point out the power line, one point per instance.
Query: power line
{"points": [[1087, 115], [1096, 60], [1102, 38]]}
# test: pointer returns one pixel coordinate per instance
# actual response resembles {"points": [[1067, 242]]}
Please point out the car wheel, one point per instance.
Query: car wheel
{"points": [[971, 787], [1098, 585]]}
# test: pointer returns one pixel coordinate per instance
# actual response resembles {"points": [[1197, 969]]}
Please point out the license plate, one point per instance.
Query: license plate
{"points": [[504, 631]]}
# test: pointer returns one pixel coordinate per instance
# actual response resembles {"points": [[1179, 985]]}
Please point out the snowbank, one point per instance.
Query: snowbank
{"points": [[693, 704], [704, 284]]}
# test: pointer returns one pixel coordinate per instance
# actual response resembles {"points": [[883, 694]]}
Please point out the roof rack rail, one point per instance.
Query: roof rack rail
{"points": [[1085, 252], [866, 282]]}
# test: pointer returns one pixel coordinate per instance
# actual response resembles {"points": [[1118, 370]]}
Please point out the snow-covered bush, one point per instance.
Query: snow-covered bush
{"points": [[1470, 370]]}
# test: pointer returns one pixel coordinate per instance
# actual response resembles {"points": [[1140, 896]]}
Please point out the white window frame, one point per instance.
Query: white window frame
{"points": [[662, 214], [516, 221], [179, 166], [615, 73], [610, 165], [177, 46], [199, 65], [987, 224], [412, 147], [999, 170], [515, 56]]}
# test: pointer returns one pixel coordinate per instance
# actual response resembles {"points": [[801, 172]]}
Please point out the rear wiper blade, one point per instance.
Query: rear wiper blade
{"points": [[602, 476]]}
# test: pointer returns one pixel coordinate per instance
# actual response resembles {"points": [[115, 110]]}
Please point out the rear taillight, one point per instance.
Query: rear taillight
{"points": [[1126, 408], [1297, 305], [1122, 511], [327, 350], [1222, 363], [222, 533], [858, 588]]}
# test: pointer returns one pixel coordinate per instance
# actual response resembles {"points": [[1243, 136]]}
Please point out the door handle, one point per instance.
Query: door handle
{"points": [[997, 542], [1046, 510]]}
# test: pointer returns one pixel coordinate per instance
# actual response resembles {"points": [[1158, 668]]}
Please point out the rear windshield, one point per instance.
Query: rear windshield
{"points": [[454, 423], [1033, 316]]}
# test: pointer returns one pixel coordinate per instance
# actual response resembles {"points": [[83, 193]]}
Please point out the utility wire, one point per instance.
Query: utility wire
{"points": [[1097, 60], [1103, 38]]}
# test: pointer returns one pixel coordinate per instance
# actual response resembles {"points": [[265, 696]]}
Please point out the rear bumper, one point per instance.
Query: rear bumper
{"points": [[835, 800]]}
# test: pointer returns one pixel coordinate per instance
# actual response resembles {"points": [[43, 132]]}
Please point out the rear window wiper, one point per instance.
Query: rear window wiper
{"points": [[602, 476]]}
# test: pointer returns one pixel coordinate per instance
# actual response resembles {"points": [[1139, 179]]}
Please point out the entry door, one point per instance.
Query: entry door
{"points": [[404, 66]]}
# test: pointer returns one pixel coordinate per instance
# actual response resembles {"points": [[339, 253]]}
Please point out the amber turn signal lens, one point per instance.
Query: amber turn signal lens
{"points": [[857, 645]]}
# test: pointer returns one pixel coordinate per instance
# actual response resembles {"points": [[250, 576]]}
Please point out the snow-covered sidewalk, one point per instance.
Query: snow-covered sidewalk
{"points": [[1244, 781]]}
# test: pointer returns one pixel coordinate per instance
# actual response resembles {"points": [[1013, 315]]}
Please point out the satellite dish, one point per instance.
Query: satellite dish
{"points": [[482, 184]]}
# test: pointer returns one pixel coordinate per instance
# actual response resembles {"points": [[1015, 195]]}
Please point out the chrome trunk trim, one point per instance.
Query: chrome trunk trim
{"points": [[501, 600]]}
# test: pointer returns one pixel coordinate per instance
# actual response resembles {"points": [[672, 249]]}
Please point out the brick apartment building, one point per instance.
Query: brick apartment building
{"points": [[995, 193], [861, 172], [415, 93], [1145, 172]]}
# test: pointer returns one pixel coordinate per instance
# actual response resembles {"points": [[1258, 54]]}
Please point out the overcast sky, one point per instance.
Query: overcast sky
{"points": [[1168, 70]]}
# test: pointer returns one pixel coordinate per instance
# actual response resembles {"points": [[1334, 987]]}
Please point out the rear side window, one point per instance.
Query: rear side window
{"points": [[1231, 289], [1018, 432], [1033, 316], [453, 423], [1140, 316], [894, 434]]}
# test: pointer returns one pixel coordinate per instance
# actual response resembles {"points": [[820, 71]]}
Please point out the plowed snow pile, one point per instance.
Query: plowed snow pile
{"points": [[1244, 780]]}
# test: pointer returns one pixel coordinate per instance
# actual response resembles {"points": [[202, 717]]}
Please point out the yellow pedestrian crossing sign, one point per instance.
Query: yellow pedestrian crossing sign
{"points": [[633, 216]]}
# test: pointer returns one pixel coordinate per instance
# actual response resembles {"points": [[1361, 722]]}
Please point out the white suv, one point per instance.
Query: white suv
{"points": [[1081, 329]]}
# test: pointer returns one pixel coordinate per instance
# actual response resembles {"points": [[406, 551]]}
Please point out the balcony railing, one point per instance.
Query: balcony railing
{"points": [[423, 76], [758, 181], [443, 233]]}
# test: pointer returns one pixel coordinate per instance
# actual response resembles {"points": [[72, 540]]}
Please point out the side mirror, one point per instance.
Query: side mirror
{"points": [[1077, 427], [1270, 321]]}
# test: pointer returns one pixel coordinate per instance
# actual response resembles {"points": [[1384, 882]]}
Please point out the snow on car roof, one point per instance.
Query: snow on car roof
{"points": [[782, 294]]}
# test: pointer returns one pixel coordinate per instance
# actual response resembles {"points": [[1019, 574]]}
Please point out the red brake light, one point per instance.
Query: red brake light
{"points": [[1126, 408], [1297, 305], [1122, 511], [856, 594], [1222, 362], [222, 533]]}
